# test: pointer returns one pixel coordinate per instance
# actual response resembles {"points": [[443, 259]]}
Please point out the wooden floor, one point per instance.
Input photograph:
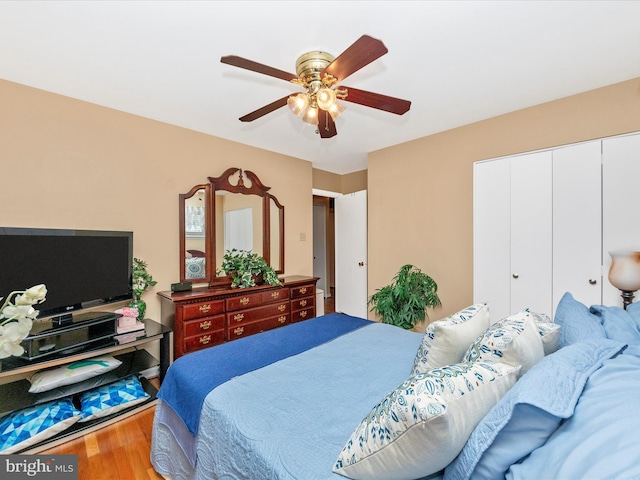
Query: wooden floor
{"points": [[121, 451], [117, 452]]}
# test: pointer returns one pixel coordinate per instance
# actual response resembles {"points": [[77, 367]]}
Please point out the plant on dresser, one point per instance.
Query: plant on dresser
{"points": [[205, 317], [247, 269]]}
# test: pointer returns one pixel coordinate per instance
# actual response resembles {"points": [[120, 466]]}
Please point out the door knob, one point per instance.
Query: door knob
{"points": [[515, 275], [592, 281], [361, 264]]}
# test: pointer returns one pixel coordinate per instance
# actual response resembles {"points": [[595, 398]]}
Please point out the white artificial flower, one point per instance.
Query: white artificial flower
{"points": [[32, 296], [16, 319]]}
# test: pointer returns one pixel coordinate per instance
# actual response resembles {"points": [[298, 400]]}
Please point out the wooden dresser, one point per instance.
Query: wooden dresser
{"points": [[204, 317]]}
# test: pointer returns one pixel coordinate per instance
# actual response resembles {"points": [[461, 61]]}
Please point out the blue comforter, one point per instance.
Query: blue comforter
{"points": [[185, 392]]}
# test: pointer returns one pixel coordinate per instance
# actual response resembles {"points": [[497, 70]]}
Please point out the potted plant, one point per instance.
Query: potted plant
{"points": [[141, 280], [405, 301], [247, 269]]}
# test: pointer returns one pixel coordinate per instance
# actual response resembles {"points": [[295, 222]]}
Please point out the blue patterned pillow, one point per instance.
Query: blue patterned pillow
{"points": [[112, 398], [195, 267], [513, 340], [420, 427], [445, 341], [32, 425]]}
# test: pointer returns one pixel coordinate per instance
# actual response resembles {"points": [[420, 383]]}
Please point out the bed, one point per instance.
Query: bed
{"points": [[473, 397]]}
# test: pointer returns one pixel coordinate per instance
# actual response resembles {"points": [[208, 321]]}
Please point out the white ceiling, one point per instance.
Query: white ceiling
{"points": [[457, 61]]}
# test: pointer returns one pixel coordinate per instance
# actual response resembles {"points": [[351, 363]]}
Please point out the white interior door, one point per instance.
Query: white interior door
{"points": [[351, 254], [320, 247], [492, 236], [531, 232], [577, 223], [620, 201]]}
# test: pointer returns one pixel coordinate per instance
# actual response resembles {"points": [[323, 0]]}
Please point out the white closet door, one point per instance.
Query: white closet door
{"points": [[620, 202], [531, 232], [492, 237], [577, 223]]}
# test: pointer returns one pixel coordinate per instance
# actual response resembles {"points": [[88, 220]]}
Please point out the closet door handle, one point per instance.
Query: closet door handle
{"points": [[515, 275], [592, 281]]}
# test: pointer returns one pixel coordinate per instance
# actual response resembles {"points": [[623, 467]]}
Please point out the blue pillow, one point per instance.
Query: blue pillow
{"points": [[32, 425], [528, 414], [112, 398], [618, 323], [576, 322]]}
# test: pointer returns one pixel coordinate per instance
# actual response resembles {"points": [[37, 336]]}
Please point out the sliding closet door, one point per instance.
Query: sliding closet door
{"points": [[491, 236], [531, 234], [620, 203], [577, 223]]}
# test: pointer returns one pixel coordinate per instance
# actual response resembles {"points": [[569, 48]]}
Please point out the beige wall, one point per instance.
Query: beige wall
{"points": [[71, 164], [332, 182], [420, 192]]}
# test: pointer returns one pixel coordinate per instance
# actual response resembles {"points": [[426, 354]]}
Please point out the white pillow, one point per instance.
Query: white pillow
{"points": [[550, 336], [72, 373], [513, 340], [445, 341], [422, 425]]}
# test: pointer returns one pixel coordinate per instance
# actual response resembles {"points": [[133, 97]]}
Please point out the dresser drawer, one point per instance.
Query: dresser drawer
{"points": [[191, 344], [258, 326], [275, 295], [304, 314], [244, 301], [300, 303], [202, 309], [203, 325], [303, 291], [241, 317]]}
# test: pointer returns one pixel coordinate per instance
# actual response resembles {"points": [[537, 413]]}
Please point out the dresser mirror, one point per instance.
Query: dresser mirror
{"points": [[234, 210]]}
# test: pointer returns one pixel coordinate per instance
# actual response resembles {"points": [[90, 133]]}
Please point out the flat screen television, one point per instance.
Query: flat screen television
{"points": [[80, 268]]}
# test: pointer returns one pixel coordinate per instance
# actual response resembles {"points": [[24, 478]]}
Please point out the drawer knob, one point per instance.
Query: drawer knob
{"points": [[282, 319], [238, 317], [244, 300], [303, 290], [205, 325], [303, 313], [282, 308], [275, 294], [205, 308], [238, 331], [205, 339], [303, 303]]}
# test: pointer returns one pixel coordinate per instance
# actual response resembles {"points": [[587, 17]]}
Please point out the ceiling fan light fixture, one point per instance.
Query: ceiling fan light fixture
{"points": [[310, 116], [326, 98], [335, 110], [297, 103]]}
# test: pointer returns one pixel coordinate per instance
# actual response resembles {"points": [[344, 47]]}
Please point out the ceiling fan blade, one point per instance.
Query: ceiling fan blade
{"points": [[257, 67], [376, 100], [250, 117], [326, 125], [360, 54]]}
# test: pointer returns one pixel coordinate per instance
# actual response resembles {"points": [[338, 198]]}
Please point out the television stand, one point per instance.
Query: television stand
{"points": [[14, 391]]}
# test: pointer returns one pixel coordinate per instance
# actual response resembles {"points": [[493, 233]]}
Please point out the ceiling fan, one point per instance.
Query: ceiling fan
{"points": [[319, 73]]}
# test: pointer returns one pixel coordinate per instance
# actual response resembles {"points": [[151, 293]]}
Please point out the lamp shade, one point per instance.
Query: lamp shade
{"points": [[624, 273]]}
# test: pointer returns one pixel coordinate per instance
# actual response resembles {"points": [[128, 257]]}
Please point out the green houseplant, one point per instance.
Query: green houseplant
{"points": [[404, 302], [141, 280], [247, 269]]}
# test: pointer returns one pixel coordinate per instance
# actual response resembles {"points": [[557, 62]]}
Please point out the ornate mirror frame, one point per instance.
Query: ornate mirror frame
{"points": [[272, 225]]}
